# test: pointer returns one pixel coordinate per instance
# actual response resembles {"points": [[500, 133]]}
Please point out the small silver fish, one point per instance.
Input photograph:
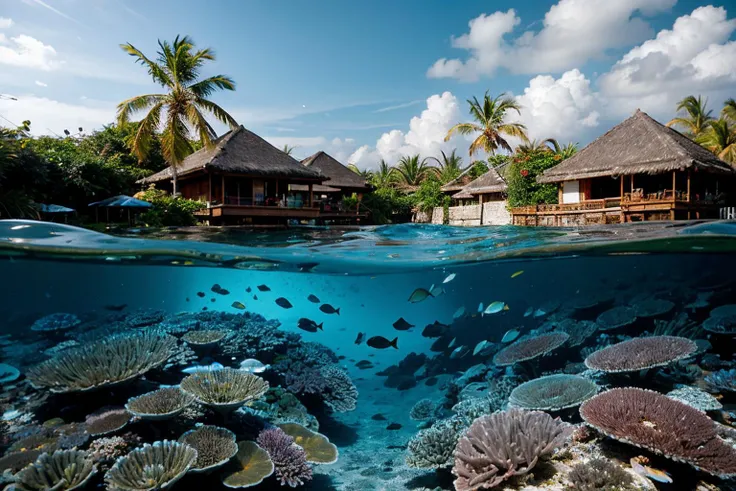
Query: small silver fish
{"points": [[539, 313], [482, 348], [480, 307], [529, 312], [419, 295], [449, 278], [459, 352], [437, 291], [253, 366], [452, 343], [203, 368], [495, 307], [510, 335], [459, 313]]}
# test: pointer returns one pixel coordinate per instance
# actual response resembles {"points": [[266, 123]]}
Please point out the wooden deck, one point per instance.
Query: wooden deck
{"points": [[218, 211]]}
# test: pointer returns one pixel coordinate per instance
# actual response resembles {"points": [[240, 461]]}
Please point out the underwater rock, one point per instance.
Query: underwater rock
{"points": [[661, 425], [317, 447], [692, 396], [255, 466], [111, 361], [528, 348], [553, 392], [423, 410], [215, 446], [289, 459], [61, 470], [159, 404], [156, 466], [641, 353], [56, 322], [106, 422], [433, 448], [616, 318], [224, 390]]}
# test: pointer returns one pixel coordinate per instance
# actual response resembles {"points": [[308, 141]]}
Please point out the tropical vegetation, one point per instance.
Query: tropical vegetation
{"points": [[697, 122]]}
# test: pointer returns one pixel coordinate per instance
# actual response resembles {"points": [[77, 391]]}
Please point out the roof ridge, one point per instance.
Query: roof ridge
{"points": [[658, 127], [221, 144]]}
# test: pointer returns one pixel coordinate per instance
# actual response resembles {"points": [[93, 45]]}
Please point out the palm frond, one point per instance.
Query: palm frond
{"points": [[204, 88], [138, 103], [463, 129], [147, 128], [219, 113], [199, 124]]}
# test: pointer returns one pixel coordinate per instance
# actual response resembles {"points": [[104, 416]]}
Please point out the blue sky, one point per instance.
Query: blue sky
{"points": [[379, 79]]}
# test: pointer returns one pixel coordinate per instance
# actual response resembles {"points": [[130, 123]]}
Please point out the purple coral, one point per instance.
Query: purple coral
{"points": [[289, 459]]}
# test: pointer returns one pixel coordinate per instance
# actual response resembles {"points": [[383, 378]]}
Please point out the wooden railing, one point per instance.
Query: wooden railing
{"points": [[589, 205]]}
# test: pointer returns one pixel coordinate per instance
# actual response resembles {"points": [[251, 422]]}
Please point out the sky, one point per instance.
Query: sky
{"points": [[366, 81]]}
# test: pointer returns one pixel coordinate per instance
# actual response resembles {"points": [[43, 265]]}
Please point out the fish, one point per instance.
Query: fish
{"points": [[434, 330], [313, 298], [204, 308], [510, 335], [529, 312], [309, 325], [419, 295], [255, 297], [495, 307], [393, 426], [238, 305], [540, 313], [452, 343], [378, 417], [379, 342], [459, 313], [649, 472], [306, 267], [213, 300], [253, 366], [187, 299], [116, 308], [200, 294], [248, 290], [364, 364], [203, 368], [359, 338], [449, 278], [283, 303], [518, 273], [402, 325], [459, 352], [329, 309], [223, 292], [480, 307], [263, 288], [483, 348], [216, 288], [436, 291], [439, 345], [341, 357]]}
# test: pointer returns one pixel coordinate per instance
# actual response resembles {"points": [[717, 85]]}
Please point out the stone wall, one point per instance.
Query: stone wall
{"points": [[465, 216], [496, 213]]}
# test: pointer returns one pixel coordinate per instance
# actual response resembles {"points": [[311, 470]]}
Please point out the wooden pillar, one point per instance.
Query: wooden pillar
{"points": [[632, 183], [688, 186], [622, 187], [209, 191], [311, 188], [674, 184]]}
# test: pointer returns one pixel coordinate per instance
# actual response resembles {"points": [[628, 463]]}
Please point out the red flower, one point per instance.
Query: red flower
{"points": [[524, 172]]}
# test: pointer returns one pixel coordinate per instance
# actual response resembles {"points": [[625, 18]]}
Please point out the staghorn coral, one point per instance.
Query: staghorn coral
{"points": [[616, 317], [104, 451], [553, 392], [156, 466], [61, 470], [289, 459], [56, 322], [530, 347], [317, 447], [111, 361], [505, 444], [339, 394], [692, 396], [160, 404], [640, 353], [662, 425], [204, 338], [600, 475], [423, 410], [255, 466], [108, 421], [224, 390], [721, 380], [433, 448], [215, 446]]}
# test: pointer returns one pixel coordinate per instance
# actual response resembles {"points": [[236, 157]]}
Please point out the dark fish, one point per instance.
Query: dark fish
{"points": [[216, 288], [248, 290], [306, 267], [393, 426], [419, 295], [329, 309], [364, 364], [200, 294], [116, 308], [434, 330], [308, 325], [187, 299], [313, 299], [263, 288], [204, 308], [379, 342], [359, 339], [213, 299], [238, 305], [402, 325], [282, 302], [341, 357], [378, 417], [431, 382], [255, 297], [224, 292], [407, 384]]}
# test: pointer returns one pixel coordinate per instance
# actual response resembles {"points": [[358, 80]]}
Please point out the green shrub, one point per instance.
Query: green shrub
{"points": [[385, 203], [430, 196], [169, 211], [521, 177]]}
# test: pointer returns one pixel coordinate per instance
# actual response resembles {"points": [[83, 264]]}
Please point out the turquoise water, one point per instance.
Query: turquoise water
{"points": [[486, 284]]}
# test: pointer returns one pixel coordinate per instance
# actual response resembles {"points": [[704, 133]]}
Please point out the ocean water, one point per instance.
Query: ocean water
{"points": [[421, 298]]}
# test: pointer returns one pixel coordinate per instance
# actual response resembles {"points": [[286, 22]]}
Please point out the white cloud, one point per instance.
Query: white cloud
{"points": [[694, 57], [52, 116], [5, 22], [573, 32], [41, 84], [559, 108], [26, 51]]}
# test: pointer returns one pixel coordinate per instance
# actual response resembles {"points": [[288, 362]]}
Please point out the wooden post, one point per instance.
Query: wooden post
{"points": [[674, 184], [209, 192], [311, 187], [688, 186], [632, 183], [222, 192], [622, 187]]}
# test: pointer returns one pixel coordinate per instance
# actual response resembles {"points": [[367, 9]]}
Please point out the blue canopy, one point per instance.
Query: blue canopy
{"points": [[54, 208], [122, 201]]}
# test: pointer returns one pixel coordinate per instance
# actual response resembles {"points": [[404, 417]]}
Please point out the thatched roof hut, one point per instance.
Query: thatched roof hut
{"points": [[459, 182], [241, 152], [341, 177], [490, 182], [639, 145]]}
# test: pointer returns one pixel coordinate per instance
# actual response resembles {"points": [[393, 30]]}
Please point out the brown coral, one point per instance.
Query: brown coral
{"points": [[662, 425], [528, 348], [641, 353]]}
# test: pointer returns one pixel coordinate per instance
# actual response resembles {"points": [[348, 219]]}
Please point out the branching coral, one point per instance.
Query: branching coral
{"points": [[61, 470], [340, 394], [503, 445], [305, 381], [692, 396], [160, 404], [423, 410], [104, 363], [215, 446], [156, 466], [662, 425], [226, 389], [640, 353], [528, 348], [721, 380], [289, 459], [106, 422], [553, 392], [600, 475], [433, 448]]}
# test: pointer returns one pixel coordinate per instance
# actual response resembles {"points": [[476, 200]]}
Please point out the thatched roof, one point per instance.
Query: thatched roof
{"points": [[639, 145], [462, 194], [490, 182], [340, 176], [242, 152], [459, 182], [317, 188]]}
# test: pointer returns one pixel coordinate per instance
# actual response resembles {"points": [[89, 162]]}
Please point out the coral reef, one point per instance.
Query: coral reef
{"points": [[528, 348], [104, 451], [204, 338], [434, 447], [317, 447], [156, 466], [8, 373], [215, 446], [600, 475], [108, 421], [722, 320], [722, 380], [255, 466], [641, 353], [692, 396], [56, 322], [289, 459], [144, 317], [579, 331], [653, 307], [616, 317], [339, 393], [306, 381], [553, 392], [61, 470], [280, 407], [662, 425], [160, 404], [423, 410], [15, 461], [111, 361], [224, 390]]}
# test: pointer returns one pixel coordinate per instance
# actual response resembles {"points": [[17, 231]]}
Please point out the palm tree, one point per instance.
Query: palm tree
{"points": [[180, 112], [696, 116], [287, 149], [720, 138], [449, 167], [411, 171], [384, 176], [537, 146], [490, 123], [365, 173], [729, 110], [566, 151]]}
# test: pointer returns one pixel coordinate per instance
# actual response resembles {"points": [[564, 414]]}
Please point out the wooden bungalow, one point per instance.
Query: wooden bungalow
{"points": [[639, 170], [243, 179], [480, 201]]}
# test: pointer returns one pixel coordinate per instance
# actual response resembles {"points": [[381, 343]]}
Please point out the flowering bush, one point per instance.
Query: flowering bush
{"points": [[168, 210], [523, 188]]}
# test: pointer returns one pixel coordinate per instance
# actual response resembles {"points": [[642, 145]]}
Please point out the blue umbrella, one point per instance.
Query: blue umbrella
{"points": [[54, 208], [122, 201]]}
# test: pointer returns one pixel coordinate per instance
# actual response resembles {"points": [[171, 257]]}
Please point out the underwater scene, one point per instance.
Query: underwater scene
{"points": [[404, 357]]}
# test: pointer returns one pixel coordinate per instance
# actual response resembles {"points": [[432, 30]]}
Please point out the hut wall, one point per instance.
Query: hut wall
{"points": [[496, 213]]}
